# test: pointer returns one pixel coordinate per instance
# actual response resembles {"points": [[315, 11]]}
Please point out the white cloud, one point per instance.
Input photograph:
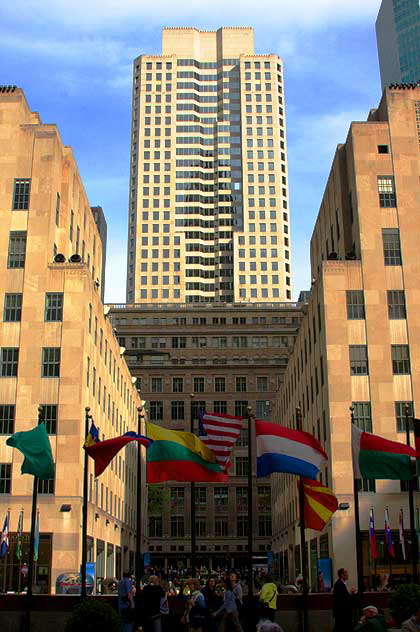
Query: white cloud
{"points": [[107, 14]]}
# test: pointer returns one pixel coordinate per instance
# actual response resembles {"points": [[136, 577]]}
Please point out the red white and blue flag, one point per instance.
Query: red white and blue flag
{"points": [[282, 449], [219, 433], [388, 535], [372, 537], [4, 545]]}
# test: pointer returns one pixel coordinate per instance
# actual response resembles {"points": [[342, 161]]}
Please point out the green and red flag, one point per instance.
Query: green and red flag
{"points": [[320, 504], [175, 455], [375, 457]]}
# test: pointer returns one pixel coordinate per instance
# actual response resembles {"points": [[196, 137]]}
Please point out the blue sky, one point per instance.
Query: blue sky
{"points": [[74, 61]]}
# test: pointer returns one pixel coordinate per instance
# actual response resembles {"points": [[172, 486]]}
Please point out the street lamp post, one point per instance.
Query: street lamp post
{"points": [[250, 504]]}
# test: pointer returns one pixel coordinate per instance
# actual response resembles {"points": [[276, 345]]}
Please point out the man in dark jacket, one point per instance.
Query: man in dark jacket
{"points": [[342, 603], [151, 596]]}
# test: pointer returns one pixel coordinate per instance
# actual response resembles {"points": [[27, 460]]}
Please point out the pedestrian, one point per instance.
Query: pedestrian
{"points": [[151, 597], [371, 621], [412, 624], [213, 603], [126, 602], [229, 608], [237, 590], [268, 599], [343, 601], [197, 613]]}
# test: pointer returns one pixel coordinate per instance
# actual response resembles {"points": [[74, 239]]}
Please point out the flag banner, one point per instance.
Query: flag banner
{"points": [[35, 447], [372, 536], [282, 449], [401, 532], [320, 504], [102, 452], [19, 536], [92, 436], [377, 458], [180, 456], [388, 535], [36, 541], [219, 432], [5, 537]]}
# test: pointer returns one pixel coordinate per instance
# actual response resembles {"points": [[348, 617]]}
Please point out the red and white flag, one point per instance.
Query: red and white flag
{"points": [[219, 432]]}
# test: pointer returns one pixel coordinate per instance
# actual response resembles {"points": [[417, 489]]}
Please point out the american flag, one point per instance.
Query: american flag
{"points": [[219, 432]]}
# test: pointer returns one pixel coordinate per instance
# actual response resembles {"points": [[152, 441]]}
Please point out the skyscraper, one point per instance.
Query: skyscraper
{"points": [[209, 211], [397, 34]]}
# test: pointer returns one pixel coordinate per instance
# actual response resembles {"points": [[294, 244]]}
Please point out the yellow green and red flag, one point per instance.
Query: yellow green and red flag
{"points": [[320, 504]]}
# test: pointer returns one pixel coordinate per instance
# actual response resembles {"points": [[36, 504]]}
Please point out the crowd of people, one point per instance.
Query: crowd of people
{"points": [[216, 606]]}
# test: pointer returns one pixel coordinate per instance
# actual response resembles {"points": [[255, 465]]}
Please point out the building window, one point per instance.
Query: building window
{"points": [[7, 418], [366, 485], [243, 438], [12, 308], [386, 190], [54, 306], [5, 478], [201, 498], [200, 528], [264, 498], [177, 384], [400, 359], [392, 246], [220, 407], [51, 361], [177, 526], [156, 411], [50, 417], [220, 384], [179, 342], [155, 526], [355, 304], [363, 416], [396, 304], [400, 415], [220, 528], [241, 465], [262, 384], [157, 384], [221, 499], [21, 192], [46, 486], [241, 385], [198, 385], [242, 526], [358, 360], [241, 408], [241, 499], [17, 249], [9, 361], [264, 525], [177, 411], [383, 149]]}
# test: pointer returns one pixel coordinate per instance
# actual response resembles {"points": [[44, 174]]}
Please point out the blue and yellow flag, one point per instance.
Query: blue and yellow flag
{"points": [[92, 436]]}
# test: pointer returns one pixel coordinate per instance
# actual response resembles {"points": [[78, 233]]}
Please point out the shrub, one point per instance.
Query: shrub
{"points": [[405, 602], [94, 615]]}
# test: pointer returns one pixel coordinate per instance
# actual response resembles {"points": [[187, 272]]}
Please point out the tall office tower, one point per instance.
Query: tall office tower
{"points": [[209, 212], [397, 35], [58, 350], [358, 345]]}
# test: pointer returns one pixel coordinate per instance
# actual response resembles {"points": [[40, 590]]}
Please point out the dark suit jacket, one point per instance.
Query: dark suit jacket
{"points": [[342, 601]]}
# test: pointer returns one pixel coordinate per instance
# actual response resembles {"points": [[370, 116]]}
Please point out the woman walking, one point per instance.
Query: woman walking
{"points": [[213, 603], [229, 608]]}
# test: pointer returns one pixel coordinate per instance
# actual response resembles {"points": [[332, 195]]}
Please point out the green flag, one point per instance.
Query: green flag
{"points": [[35, 447]]}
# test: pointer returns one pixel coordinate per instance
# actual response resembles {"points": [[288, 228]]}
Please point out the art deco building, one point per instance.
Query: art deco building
{"points": [[358, 345], [58, 350], [397, 34], [209, 212], [229, 357]]}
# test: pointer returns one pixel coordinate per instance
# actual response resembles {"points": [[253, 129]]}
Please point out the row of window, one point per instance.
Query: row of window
{"points": [[199, 342], [46, 486], [356, 304], [50, 361], [179, 408], [359, 364], [53, 311], [242, 384], [157, 503], [177, 527]]}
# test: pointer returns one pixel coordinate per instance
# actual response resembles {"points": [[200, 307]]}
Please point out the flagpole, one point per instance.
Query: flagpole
{"points": [[413, 535], [5, 555], [304, 560], [139, 556], [192, 500], [251, 418], [21, 549], [33, 522], [359, 551], [85, 510]]}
